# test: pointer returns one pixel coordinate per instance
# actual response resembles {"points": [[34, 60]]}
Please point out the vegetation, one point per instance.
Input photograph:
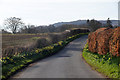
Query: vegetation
{"points": [[105, 40], [69, 26], [14, 44], [105, 64], [16, 26], [94, 24], [109, 23], [10, 65], [28, 29], [19, 39], [13, 24]]}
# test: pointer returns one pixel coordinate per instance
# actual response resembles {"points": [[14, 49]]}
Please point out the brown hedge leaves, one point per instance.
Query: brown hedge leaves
{"points": [[114, 43], [105, 40]]}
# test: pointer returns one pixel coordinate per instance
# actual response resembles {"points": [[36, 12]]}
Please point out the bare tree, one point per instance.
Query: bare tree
{"points": [[13, 24]]}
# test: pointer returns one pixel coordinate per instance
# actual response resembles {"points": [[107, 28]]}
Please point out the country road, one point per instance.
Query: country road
{"points": [[67, 63]]}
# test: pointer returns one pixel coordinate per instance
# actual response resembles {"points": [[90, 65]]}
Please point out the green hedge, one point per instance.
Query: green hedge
{"points": [[105, 64], [11, 65]]}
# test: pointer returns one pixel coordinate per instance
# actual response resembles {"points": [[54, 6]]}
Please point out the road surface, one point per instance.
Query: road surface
{"points": [[67, 63]]}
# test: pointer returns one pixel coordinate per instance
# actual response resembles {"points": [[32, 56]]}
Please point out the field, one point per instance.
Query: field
{"points": [[19, 39], [23, 41], [13, 44]]}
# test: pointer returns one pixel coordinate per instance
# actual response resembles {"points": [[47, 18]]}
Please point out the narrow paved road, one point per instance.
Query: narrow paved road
{"points": [[68, 63]]}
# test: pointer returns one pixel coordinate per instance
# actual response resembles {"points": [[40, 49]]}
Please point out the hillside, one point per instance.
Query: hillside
{"points": [[83, 22]]}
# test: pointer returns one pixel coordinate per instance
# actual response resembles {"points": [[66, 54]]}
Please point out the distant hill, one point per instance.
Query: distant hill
{"points": [[83, 22]]}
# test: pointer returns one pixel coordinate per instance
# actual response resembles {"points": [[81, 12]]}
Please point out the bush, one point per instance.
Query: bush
{"points": [[105, 40], [114, 42], [42, 42], [92, 39]]}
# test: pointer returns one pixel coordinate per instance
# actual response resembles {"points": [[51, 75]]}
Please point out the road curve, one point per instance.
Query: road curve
{"points": [[67, 63]]}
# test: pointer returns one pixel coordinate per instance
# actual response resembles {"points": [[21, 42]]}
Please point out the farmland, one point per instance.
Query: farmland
{"points": [[13, 44], [20, 40]]}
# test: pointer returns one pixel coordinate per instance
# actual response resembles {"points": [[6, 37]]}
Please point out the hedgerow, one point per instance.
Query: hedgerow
{"points": [[105, 40], [10, 65]]}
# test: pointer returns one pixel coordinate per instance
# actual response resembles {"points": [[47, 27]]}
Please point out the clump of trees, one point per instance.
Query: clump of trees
{"points": [[69, 26], [28, 29], [94, 24]]}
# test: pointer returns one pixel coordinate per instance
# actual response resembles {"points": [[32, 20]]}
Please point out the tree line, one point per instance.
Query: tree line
{"points": [[15, 25]]}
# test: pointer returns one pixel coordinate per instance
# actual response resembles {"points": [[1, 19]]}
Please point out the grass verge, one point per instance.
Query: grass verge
{"points": [[10, 65], [105, 64]]}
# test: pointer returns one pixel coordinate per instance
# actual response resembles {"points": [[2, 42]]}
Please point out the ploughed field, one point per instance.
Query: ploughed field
{"points": [[19, 39]]}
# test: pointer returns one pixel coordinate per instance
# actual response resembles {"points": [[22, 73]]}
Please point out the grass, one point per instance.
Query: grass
{"points": [[11, 65], [105, 64]]}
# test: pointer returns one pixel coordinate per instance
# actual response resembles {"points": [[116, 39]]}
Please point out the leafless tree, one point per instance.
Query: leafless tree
{"points": [[13, 24]]}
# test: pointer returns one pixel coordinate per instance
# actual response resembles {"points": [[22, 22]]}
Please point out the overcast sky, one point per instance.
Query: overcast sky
{"points": [[45, 12]]}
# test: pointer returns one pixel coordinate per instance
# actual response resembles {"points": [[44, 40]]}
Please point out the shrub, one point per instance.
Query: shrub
{"points": [[114, 43], [92, 39], [105, 40], [42, 42]]}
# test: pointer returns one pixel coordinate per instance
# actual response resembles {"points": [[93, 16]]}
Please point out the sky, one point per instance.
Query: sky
{"points": [[45, 12]]}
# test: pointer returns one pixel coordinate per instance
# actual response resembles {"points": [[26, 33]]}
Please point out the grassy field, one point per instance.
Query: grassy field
{"points": [[105, 64]]}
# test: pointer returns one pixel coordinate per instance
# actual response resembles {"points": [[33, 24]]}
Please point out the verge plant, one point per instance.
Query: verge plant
{"points": [[105, 64]]}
